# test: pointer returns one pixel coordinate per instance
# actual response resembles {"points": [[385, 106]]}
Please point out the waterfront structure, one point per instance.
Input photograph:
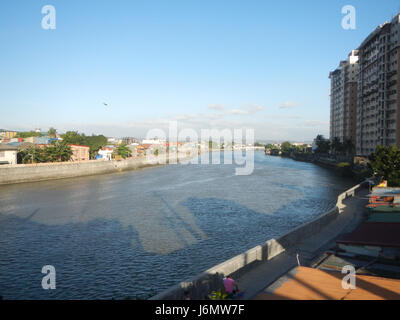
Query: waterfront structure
{"points": [[344, 99], [365, 91], [8, 154], [7, 134], [39, 140], [114, 141], [134, 148], [79, 153], [378, 113], [129, 140], [106, 153], [152, 142]]}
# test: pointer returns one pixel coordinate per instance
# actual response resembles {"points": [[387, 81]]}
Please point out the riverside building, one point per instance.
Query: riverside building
{"points": [[378, 116], [344, 99]]}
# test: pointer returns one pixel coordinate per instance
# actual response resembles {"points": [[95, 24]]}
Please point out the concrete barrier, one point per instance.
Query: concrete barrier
{"points": [[58, 170], [201, 285]]}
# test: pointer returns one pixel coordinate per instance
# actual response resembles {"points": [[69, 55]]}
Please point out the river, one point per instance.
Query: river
{"points": [[136, 233]]}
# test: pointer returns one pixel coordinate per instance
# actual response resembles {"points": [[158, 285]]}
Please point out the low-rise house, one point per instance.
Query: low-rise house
{"points": [[31, 139], [105, 153], [39, 140], [114, 141], [7, 134], [79, 153], [152, 142], [134, 149], [8, 154]]}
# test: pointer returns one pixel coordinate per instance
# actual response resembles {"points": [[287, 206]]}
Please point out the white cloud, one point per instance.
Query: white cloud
{"points": [[288, 105], [253, 108], [218, 107], [237, 111]]}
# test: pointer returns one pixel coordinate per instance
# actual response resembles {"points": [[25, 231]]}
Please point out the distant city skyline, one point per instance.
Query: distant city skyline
{"points": [[122, 68]]}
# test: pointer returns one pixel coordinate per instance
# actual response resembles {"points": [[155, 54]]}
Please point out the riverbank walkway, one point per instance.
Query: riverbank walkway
{"points": [[352, 212]]}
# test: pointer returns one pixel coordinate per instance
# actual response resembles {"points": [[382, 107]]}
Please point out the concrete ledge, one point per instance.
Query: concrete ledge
{"points": [[49, 171], [201, 285]]}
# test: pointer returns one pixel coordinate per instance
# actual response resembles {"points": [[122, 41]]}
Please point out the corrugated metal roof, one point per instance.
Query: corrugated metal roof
{"points": [[313, 284], [385, 192], [384, 217], [7, 147], [381, 234]]}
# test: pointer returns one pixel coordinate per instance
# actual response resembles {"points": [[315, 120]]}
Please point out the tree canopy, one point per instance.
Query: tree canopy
{"points": [[27, 134], [323, 145], [123, 151], [385, 162], [93, 141], [286, 146], [56, 152], [52, 132]]}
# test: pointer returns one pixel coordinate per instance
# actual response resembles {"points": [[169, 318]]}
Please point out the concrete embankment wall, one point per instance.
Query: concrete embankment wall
{"points": [[202, 284], [49, 171]]}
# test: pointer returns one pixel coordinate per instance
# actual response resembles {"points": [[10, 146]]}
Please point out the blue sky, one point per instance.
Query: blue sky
{"points": [[223, 64]]}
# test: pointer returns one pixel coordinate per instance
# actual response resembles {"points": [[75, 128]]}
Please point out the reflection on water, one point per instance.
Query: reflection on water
{"points": [[139, 232]]}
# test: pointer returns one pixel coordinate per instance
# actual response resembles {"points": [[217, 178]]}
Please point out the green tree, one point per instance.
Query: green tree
{"points": [[52, 132], [156, 152], [348, 146], [385, 162], [27, 134], [323, 145], [286, 146], [301, 149], [73, 137], [57, 152], [123, 151], [336, 145], [95, 142], [31, 155]]}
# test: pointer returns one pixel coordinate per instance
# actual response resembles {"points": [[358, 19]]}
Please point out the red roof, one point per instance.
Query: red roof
{"points": [[168, 144], [380, 234], [78, 145]]}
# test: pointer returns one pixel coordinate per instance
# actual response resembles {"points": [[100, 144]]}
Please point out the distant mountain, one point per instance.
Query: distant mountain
{"points": [[280, 141]]}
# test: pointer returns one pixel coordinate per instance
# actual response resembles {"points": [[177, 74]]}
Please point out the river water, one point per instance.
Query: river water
{"points": [[137, 233]]}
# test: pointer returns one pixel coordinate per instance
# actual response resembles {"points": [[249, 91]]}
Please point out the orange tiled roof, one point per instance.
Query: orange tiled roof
{"points": [[315, 284]]}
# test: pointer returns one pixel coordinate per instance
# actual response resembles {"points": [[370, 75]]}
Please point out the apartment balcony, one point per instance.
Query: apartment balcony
{"points": [[390, 74]]}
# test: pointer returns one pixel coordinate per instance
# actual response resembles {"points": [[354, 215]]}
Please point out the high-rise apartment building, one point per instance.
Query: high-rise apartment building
{"points": [[378, 111], [344, 99]]}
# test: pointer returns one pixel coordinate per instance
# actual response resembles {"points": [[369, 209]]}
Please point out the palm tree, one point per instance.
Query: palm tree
{"points": [[323, 145], [336, 145], [348, 146], [58, 151], [123, 151]]}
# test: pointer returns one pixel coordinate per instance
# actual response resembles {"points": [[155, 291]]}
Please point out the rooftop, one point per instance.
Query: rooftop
{"points": [[381, 234], [303, 283], [4, 147]]}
